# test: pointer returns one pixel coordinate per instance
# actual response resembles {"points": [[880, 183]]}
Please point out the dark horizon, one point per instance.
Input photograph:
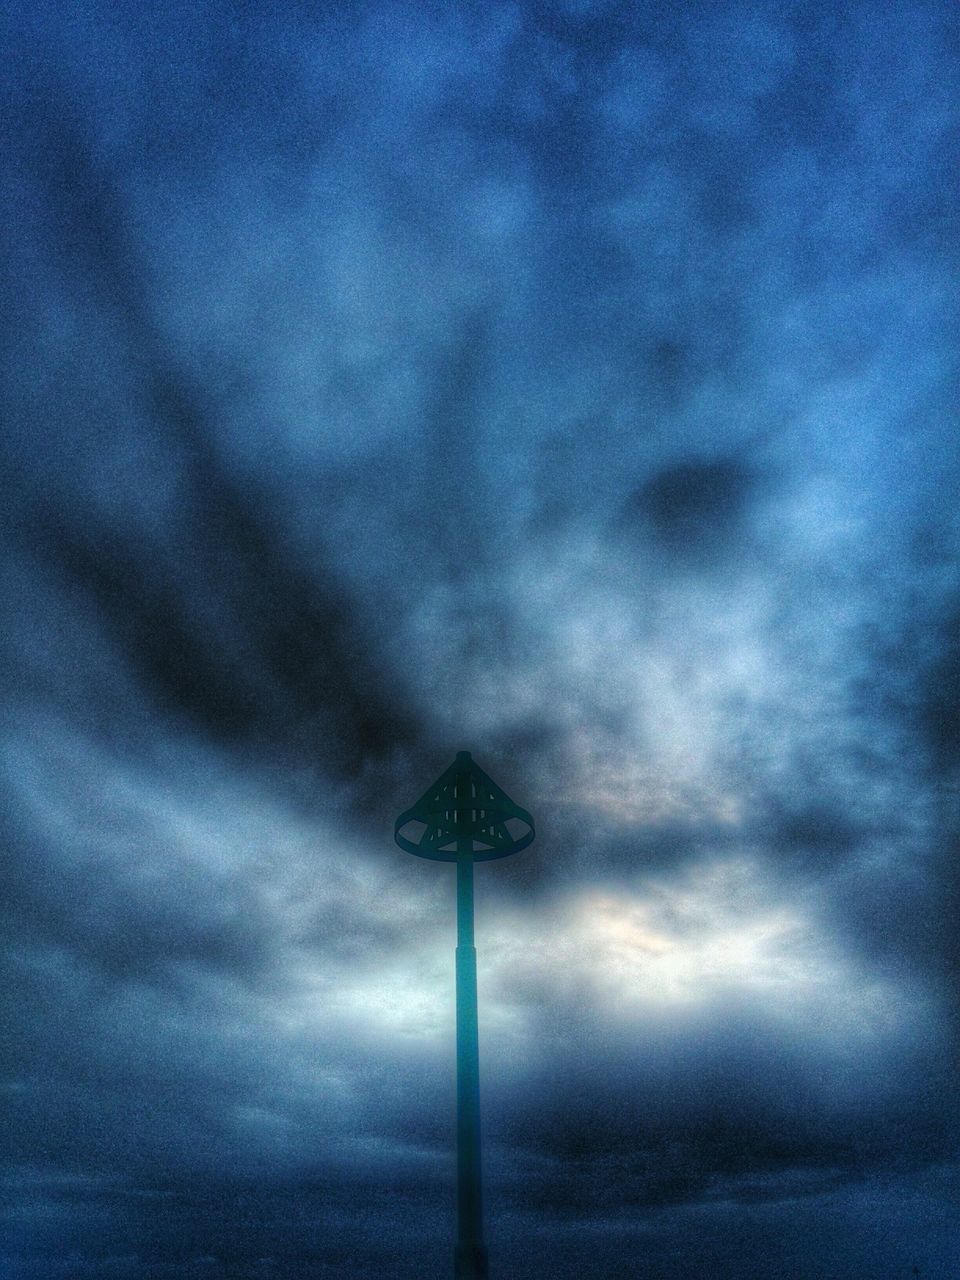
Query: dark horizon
{"points": [[574, 384]]}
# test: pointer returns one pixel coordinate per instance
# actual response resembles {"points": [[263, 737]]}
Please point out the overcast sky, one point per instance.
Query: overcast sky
{"points": [[572, 383]]}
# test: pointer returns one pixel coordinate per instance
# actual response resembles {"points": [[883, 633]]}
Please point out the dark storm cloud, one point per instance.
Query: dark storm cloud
{"points": [[216, 614], [570, 383], [691, 511], [939, 701]]}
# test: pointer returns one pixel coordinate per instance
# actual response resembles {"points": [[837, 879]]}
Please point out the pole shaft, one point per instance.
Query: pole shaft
{"points": [[470, 1256]]}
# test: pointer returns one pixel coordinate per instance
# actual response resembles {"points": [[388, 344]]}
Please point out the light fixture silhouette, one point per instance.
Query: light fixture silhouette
{"points": [[466, 818]]}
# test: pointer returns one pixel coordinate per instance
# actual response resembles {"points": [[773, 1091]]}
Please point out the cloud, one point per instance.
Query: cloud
{"points": [[692, 511], [572, 387]]}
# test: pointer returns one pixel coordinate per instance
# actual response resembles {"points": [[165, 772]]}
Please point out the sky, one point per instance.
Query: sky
{"points": [[572, 383]]}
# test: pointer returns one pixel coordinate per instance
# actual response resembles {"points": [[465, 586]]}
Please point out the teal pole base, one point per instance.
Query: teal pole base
{"points": [[470, 1262]]}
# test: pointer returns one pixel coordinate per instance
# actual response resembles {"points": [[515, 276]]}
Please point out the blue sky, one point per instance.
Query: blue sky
{"points": [[571, 383]]}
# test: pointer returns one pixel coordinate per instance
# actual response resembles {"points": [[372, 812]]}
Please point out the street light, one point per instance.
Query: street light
{"points": [[466, 818]]}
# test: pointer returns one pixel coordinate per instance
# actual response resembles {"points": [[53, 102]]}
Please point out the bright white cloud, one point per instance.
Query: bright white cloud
{"points": [[720, 931]]}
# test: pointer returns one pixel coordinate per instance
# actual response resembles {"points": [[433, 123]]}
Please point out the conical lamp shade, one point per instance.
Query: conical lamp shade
{"points": [[464, 804]]}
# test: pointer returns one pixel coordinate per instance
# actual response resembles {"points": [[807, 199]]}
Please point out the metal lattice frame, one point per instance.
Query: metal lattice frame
{"points": [[464, 803]]}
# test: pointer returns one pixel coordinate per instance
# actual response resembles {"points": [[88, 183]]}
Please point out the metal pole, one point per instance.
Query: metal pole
{"points": [[470, 1256]]}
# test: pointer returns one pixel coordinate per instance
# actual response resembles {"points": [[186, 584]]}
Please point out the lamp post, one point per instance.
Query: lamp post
{"points": [[466, 818]]}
